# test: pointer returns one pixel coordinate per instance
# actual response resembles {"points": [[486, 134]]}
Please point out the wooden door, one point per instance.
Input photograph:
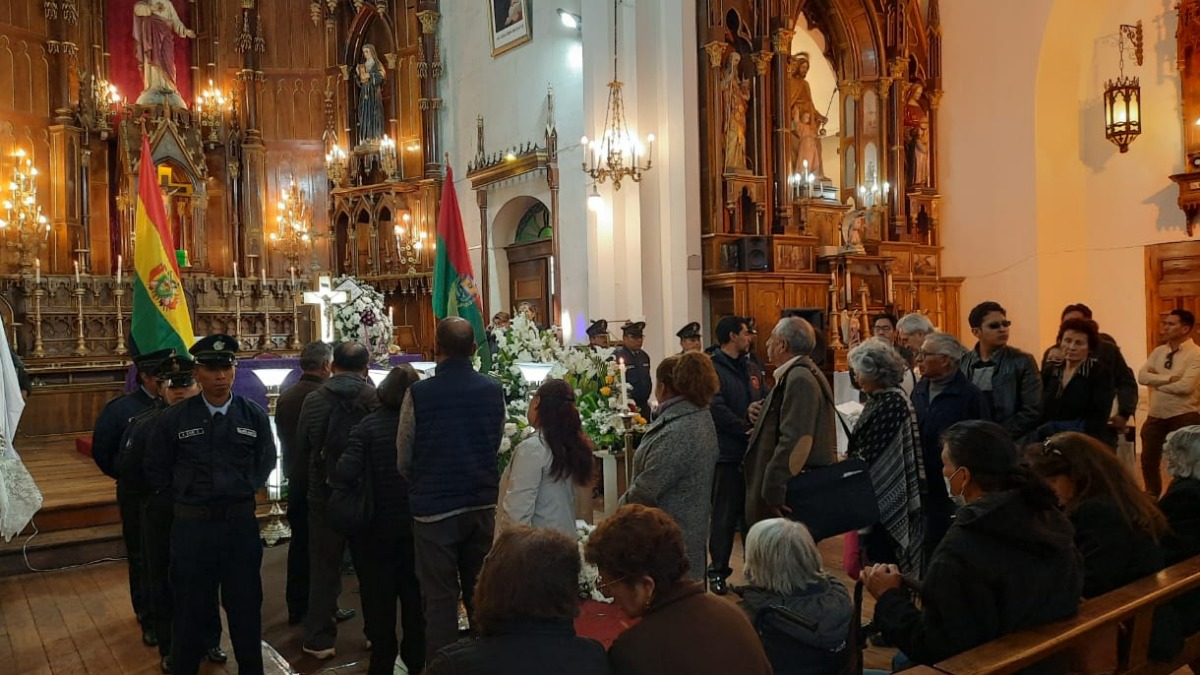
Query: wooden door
{"points": [[529, 277], [1172, 282]]}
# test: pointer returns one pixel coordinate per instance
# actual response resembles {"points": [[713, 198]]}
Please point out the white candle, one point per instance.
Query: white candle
{"points": [[391, 320], [235, 276], [624, 395], [37, 270], [264, 277], [292, 272], [76, 272], [119, 260]]}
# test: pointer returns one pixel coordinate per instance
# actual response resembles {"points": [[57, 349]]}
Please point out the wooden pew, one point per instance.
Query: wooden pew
{"points": [[1132, 605]]}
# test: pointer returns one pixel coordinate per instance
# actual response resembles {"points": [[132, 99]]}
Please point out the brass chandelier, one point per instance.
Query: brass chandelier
{"points": [[615, 154], [26, 229], [293, 236]]}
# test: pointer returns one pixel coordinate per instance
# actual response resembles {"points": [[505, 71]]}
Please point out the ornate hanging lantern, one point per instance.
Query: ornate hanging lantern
{"points": [[1123, 96]]}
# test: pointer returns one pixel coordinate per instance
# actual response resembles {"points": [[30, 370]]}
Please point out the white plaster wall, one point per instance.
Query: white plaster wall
{"points": [[1040, 209], [510, 92]]}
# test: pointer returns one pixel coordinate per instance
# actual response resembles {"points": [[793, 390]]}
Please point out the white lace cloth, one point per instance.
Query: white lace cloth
{"points": [[19, 496]]}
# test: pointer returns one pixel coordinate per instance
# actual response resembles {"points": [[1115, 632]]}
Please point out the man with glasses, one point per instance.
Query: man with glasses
{"points": [[1172, 374], [884, 327], [942, 398], [1007, 376]]}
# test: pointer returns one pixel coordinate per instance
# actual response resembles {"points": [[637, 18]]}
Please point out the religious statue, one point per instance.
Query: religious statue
{"points": [[854, 230], [914, 113], [919, 170], [155, 25], [736, 90], [371, 76], [802, 105], [808, 141]]}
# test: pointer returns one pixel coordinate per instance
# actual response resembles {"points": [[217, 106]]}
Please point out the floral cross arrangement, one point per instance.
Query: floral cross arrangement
{"points": [[363, 318]]}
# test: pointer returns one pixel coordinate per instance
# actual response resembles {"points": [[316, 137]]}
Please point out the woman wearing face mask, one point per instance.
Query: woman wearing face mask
{"points": [[1078, 390], [1007, 563]]}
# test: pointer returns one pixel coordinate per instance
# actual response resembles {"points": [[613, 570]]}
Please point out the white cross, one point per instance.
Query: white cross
{"points": [[326, 298]]}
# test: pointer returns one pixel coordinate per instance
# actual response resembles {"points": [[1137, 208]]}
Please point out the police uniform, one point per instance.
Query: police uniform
{"points": [[637, 368], [157, 515], [110, 429], [689, 332], [597, 329], [213, 459]]}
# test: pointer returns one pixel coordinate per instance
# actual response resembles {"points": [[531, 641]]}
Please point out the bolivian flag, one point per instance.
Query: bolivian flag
{"points": [[454, 290], [160, 312]]}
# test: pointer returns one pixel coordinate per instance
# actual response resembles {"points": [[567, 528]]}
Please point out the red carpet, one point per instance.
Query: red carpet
{"points": [[601, 622]]}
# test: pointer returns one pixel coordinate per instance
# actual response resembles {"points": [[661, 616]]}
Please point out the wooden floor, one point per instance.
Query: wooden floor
{"points": [[75, 493]]}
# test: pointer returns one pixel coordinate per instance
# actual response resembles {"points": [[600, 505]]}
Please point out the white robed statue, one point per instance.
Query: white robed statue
{"points": [[19, 495]]}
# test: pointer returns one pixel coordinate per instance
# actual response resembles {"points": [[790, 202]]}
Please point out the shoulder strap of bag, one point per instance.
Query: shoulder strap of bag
{"points": [[829, 399]]}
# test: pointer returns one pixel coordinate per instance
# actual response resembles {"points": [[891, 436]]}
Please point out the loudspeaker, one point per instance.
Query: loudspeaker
{"points": [[754, 254]]}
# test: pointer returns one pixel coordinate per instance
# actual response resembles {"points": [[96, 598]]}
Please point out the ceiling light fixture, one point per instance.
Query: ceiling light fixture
{"points": [[570, 20]]}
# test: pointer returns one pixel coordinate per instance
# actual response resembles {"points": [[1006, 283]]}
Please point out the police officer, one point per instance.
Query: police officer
{"points": [[637, 364], [689, 338], [213, 452], [106, 443], [175, 384], [598, 335]]}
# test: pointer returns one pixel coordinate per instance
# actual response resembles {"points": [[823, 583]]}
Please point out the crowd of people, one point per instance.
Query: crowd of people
{"points": [[1001, 500]]}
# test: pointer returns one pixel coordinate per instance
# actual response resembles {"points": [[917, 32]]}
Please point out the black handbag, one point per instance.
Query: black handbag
{"points": [[835, 499]]}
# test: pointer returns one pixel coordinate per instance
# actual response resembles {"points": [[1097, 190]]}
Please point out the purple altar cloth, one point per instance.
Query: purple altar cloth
{"points": [[248, 385]]}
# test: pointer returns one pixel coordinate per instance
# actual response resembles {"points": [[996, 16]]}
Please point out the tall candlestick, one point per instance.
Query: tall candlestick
{"points": [[624, 395], [119, 261], [37, 271]]}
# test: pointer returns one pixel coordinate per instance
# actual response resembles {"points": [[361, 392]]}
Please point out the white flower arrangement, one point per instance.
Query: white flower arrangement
{"points": [[364, 318], [592, 373], [588, 574]]}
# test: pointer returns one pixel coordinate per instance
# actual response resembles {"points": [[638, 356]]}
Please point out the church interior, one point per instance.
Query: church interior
{"points": [[620, 160]]}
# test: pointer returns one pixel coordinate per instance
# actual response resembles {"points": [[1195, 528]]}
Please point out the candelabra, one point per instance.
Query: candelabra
{"points": [[335, 166], [293, 238], [835, 333], [387, 158], [26, 230], [80, 344], [210, 108], [105, 101], [119, 294], [410, 244], [38, 349], [296, 344]]}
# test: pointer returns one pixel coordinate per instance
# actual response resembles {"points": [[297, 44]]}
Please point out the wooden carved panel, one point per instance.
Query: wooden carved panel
{"points": [[1172, 281]]}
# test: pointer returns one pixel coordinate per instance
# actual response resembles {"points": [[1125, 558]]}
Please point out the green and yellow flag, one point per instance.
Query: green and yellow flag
{"points": [[454, 289], [160, 311]]}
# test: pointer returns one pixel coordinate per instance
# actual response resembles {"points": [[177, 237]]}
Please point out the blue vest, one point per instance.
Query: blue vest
{"points": [[460, 418]]}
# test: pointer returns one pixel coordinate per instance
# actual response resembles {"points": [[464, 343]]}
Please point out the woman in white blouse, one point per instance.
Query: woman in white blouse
{"points": [[538, 486]]}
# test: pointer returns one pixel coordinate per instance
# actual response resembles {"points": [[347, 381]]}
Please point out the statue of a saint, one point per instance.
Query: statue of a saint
{"points": [[914, 113], [808, 141], [919, 169], [155, 25], [736, 91], [371, 76], [854, 231]]}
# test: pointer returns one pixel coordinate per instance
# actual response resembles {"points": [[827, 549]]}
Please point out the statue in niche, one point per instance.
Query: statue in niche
{"points": [[916, 131], [804, 114], [919, 164], [736, 90], [371, 77], [155, 25], [854, 231], [808, 142]]}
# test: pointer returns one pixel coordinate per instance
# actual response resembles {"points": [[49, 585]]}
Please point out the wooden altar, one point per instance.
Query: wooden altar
{"points": [[823, 223]]}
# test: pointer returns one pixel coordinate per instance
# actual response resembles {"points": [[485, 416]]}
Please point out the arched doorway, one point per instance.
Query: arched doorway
{"points": [[530, 254]]}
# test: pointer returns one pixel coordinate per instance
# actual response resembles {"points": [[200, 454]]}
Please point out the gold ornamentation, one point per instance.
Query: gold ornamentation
{"points": [[782, 40], [716, 53], [429, 21], [762, 61]]}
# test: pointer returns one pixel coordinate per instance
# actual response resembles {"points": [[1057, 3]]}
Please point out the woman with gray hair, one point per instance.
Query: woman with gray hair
{"points": [[886, 438], [801, 613], [1181, 505]]}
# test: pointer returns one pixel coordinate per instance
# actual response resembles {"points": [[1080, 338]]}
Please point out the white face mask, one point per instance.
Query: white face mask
{"points": [[958, 499]]}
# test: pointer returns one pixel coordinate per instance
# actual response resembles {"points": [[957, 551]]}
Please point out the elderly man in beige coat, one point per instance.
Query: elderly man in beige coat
{"points": [[794, 426]]}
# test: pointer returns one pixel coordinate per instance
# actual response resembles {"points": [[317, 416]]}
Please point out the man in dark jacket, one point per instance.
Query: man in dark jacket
{"points": [[1007, 376], [110, 429], [315, 362], [728, 410], [326, 418], [941, 398], [449, 434], [1109, 354]]}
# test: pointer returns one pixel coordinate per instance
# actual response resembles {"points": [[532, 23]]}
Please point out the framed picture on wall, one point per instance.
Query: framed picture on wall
{"points": [[510, 24]]}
